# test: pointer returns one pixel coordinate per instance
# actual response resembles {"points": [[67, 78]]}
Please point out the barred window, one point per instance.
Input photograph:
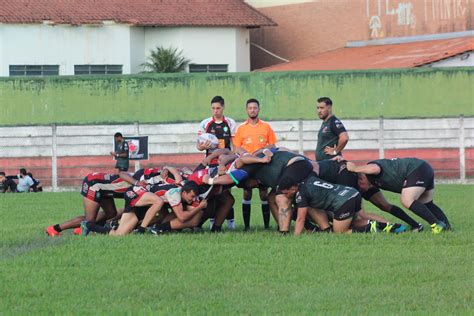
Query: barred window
{"points": [[208, 68], [97, 69], [34, 70]]}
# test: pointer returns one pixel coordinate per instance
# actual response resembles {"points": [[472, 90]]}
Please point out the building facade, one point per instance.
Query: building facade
{"points": [[86, 37]]}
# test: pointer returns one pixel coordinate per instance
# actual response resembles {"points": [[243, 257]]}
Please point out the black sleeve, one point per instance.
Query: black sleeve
{"points": [[302, 197], [251, 168], [137, 175], [337, 127]]}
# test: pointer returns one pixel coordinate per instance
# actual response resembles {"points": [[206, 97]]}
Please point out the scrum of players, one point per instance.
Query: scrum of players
{"points": [[320, 197]]}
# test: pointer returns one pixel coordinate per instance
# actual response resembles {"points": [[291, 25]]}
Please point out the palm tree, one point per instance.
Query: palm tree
{"points": [[165, 60]]}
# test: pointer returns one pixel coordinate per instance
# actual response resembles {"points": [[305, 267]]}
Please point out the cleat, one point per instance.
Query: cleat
{"points": [[438, 228], [140, 230], [211, 222], [417, 229], [230, 224], [52, 232], [84, 229], [154, 230], [112, 225], [373, 226], [398, 228], [77, 231]]}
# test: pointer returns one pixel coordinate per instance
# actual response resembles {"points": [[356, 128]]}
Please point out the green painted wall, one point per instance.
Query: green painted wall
{"points": [[420, 92]]}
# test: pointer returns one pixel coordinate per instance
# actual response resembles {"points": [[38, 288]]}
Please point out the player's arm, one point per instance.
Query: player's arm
{"points": [[215, 154], [367, 169], [127, 177], [300, 219], [184, 216], [343, 137], [176, 174], [123, 153]]}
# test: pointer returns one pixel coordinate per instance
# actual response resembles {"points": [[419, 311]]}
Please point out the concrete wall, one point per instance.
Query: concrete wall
{"points": [[64, 45], [462, 60], [84, 149], [306, 29], [181, 98], [110, 43]]}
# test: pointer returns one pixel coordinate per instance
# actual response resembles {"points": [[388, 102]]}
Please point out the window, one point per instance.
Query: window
{"points": [[34, 70], [208, 68], [98, 69]]}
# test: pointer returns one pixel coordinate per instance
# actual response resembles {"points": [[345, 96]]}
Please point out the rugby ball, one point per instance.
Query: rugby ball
{"points": [[211, 137]]}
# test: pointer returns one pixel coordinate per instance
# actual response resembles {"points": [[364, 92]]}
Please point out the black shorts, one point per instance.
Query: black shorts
{"points": [[423, 176], [121, 168], [347, 178], [369, 193], [139, 211], [297, 172], [348, 209]]}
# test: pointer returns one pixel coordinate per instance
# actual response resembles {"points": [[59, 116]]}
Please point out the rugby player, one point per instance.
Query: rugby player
{"points": [[224, 129], [411, 177], [283, 164], [332, 135], [99, 189], [143, 204], [335, 171], [342, 203]]}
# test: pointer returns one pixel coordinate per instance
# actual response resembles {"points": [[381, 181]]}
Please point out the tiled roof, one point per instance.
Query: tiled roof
{"points": [[405, 55], [137, 12]]}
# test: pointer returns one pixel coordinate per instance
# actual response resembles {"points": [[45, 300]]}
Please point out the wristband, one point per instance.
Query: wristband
{"points": [[211, 181], [335, 152]]}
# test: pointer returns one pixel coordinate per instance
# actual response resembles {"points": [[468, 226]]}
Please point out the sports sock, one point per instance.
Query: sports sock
{"points": [[421, 210], [246, 213], [399, 213], [57, 228], [97, 228], [438, 213], [231, 214], [266, 214], [215, 228], [165, 227]]}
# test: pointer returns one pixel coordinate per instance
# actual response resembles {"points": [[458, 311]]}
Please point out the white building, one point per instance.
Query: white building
{"points": [[49, 37]]}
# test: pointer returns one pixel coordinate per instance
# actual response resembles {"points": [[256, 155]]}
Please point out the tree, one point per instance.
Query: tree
{"points": [[165, 60]]}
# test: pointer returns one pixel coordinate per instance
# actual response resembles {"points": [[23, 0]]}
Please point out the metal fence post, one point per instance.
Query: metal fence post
{"points": [[462, 150], [300, 137], [137, 133], [54, 159], [381, 138]]}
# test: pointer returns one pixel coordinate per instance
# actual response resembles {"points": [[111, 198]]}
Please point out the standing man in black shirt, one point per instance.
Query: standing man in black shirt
{"points": [[120, 153], [332, 136]]}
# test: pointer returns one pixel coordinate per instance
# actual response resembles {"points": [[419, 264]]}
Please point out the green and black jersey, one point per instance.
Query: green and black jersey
{"points": [[328, 135], [122, 162], [393, 172], [268, 174], [329, 170], [317, 193]]}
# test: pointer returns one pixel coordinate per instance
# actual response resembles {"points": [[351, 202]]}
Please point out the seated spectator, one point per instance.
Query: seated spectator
{"points": [[6, 183], [37, 186], [24, 181]]}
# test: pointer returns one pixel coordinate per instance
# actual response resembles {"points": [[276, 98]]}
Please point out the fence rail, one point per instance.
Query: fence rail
{"points": [[61, 155]]}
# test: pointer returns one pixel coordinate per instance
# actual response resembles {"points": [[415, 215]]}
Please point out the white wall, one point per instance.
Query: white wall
{"points": [[242, 49], [110, 43], [34, 141], [64, 45], [137, 49], [204, 45], [462, 60]]}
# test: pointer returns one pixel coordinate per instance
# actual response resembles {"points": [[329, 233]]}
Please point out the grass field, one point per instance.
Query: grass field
{"points": [[232, 273]]}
